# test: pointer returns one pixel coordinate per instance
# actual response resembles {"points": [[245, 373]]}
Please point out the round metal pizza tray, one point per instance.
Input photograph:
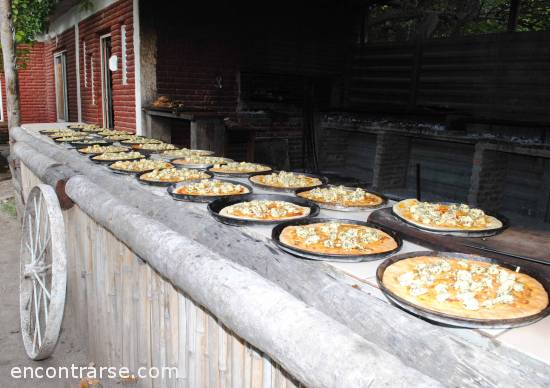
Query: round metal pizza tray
{"points": [[135, 142], [459, 232], [239, 174], [453, 320], [61, 140], [204, 198], [276, 233], [216, 206], [342, 208], [172, 157], [53, 130], [198, 166], [79, 144], [165, 184], [91, 157], [292, 190], [78, 149], [144, 151], [124, 172]]}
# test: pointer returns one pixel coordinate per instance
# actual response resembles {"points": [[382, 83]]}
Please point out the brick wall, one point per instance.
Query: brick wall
{"points": [[188, 66], [108, 21], [31, 84], [37, 79]]}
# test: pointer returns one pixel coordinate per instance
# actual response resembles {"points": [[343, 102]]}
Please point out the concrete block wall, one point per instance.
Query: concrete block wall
{"points": [[391, 161], [487, 180]]}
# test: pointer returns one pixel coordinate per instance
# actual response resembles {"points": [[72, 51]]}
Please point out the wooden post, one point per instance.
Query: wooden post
{"points": [[7, 41]]}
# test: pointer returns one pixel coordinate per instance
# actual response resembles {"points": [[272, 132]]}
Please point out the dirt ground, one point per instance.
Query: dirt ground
{"points": [[12, 354]]}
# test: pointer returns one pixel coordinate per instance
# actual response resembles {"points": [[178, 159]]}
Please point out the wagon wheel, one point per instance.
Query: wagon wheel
{"points": [[43, 276]]}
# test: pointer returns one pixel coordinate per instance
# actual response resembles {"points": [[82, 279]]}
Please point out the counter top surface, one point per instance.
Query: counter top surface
{"points": [[533, 340]]}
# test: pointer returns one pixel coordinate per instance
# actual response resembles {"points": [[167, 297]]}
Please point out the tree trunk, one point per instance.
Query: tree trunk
{"points": [[7, 41]]}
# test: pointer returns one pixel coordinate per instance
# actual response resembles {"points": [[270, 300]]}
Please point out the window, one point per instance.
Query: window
{"points": [[60, 69]]}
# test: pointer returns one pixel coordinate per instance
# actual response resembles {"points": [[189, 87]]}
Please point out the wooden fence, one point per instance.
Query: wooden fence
{"points": [[497, 77]]}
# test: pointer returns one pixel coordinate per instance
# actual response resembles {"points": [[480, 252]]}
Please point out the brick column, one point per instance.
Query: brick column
{"points": [[487, 181], [391, 161]]}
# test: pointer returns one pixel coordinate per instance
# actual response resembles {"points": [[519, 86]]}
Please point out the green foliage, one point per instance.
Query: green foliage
{"points": [[31, 18], [404, 20]]}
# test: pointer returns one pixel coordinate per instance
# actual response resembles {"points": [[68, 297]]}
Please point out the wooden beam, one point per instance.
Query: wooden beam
{"points": [[251, 306]]}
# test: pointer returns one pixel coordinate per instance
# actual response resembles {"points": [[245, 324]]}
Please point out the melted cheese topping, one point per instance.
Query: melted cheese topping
{"points": [[118, 156], [71, 138], [341, 195], [211, 187], [140, 165], [472, 287], [118, 137], [285, 179], [201, 160], [173, 175], [265, 210], [155, 146], [64, 133], [133, 139], [338, 235], [338, 238], [455, 215], [242, 167], [186, 152], [113, 132], [92, 128], [98, 149], [85, 126], [91, 141]]}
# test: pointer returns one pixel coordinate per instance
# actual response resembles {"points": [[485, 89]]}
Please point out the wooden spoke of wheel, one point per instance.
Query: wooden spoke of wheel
{"points": [[43, 272]]}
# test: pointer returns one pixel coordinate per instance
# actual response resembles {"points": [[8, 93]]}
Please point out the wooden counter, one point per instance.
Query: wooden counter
{"points": [[159, 282]]}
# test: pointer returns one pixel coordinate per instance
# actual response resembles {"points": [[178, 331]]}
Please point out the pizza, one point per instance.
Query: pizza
{"points": [[99, 149], [338, 238], [91, 128], [70, 138], [211, 187], [113, 132], [343, 196], [64, 133], [185, 152], [286, 180], [200, 160], [173, 175], [265, 210], [442, 217], [133, 139], [91, 141], [139, 165], [83, 126], [465, 288], [107, 156], [154, 146], [119, 137], [239, 168]]}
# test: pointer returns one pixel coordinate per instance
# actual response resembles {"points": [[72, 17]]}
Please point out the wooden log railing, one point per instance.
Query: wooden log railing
{"points": [[436, 352]]}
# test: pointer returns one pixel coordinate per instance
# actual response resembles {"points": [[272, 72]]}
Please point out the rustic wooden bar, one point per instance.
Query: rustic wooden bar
{"points": [[165, 284]]}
